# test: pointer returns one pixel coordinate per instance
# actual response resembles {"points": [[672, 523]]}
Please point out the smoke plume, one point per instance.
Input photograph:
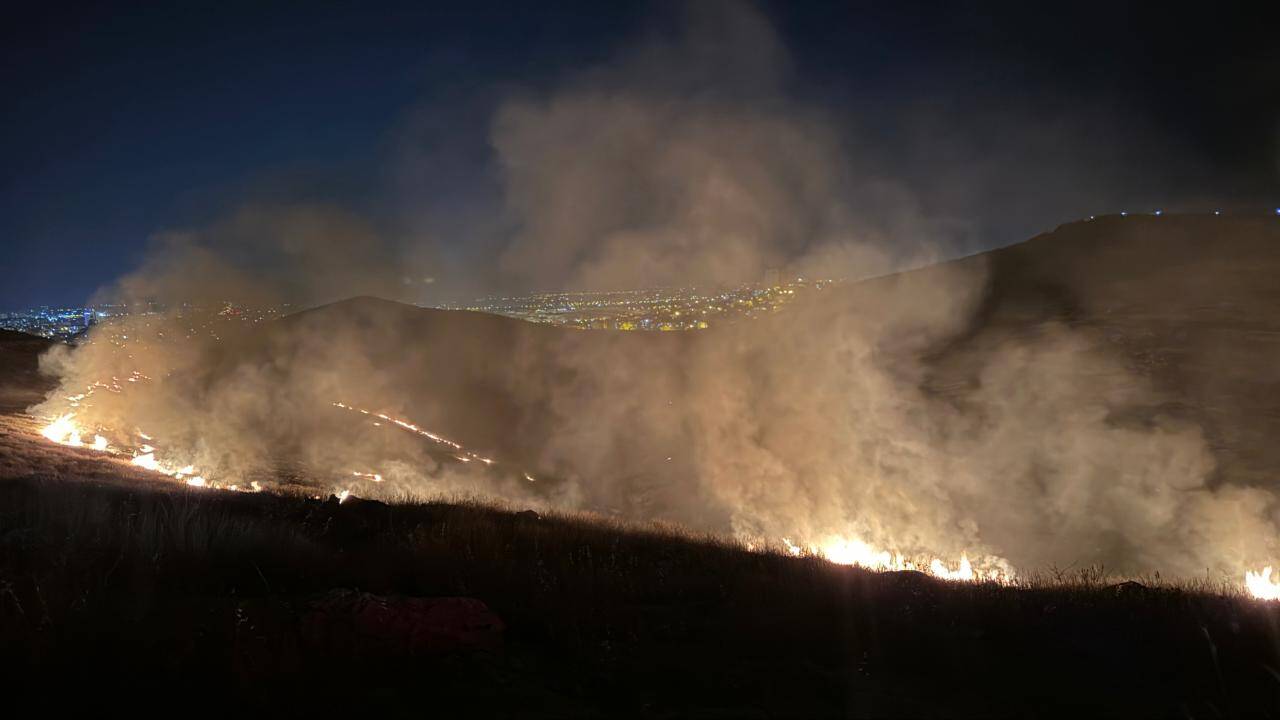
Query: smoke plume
{"points": [[871, 412]]}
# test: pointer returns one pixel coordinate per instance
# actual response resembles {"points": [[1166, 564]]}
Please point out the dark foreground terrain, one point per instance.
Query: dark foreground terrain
{"points": [[194, 601]]}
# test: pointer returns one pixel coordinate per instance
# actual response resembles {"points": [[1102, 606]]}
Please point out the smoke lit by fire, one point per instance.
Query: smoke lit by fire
{"points": [[851, 551], [827, 431], [1260, 584], [843, 551], [840, 550]]}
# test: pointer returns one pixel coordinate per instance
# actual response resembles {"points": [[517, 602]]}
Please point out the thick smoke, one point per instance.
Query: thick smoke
{"points": [[202, 370], [687, 161], [265, 255]]}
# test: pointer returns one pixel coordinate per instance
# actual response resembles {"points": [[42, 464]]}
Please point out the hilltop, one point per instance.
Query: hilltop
{"points": [[1189, 302]]}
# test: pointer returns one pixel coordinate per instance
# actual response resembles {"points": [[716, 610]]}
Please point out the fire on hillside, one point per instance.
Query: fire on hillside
{"points": [[65, 430], [843, 550]]}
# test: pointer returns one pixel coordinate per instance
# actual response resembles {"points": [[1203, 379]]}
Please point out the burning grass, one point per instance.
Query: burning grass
{"points": [[109, 583]]}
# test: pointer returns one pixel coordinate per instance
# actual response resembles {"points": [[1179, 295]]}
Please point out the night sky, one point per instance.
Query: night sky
{"points": [[121, 122]]}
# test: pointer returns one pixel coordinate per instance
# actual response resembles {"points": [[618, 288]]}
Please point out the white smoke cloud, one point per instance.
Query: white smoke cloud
{"points": [[685, 162], [885, 412]]}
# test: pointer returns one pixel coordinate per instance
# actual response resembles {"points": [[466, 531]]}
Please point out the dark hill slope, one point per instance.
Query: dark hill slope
{"points": [[20, 381], [1190, 302]]}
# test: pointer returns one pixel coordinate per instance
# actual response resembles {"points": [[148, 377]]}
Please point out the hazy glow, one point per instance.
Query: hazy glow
{"points": [[853, 551], [63, 431], [1261, 586]]}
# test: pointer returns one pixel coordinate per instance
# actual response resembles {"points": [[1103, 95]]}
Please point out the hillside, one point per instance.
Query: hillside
{"points": [[116, 580], [1188, 304], [20, 382], [109, 574], [1177, 315]]}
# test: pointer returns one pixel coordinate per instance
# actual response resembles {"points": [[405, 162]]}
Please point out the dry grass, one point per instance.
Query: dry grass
{"points": [[115, 581]]}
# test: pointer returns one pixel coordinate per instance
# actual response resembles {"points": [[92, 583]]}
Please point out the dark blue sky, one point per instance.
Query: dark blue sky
{"points": [[123, 121]]}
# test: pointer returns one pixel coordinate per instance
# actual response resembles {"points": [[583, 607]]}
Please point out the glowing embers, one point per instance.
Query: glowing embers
{"points": [[852, 551], [65, 431], [187, 473], [402, 423], [963, 572], [1261, 586], [463, 455], [113, 386]]}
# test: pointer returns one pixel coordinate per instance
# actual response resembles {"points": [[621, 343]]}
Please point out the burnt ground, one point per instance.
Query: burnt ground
{"points": [[118, 590]]}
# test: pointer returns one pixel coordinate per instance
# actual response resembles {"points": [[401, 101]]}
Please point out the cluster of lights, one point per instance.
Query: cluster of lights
{"points": [[656, 309], [1158, 212]]}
